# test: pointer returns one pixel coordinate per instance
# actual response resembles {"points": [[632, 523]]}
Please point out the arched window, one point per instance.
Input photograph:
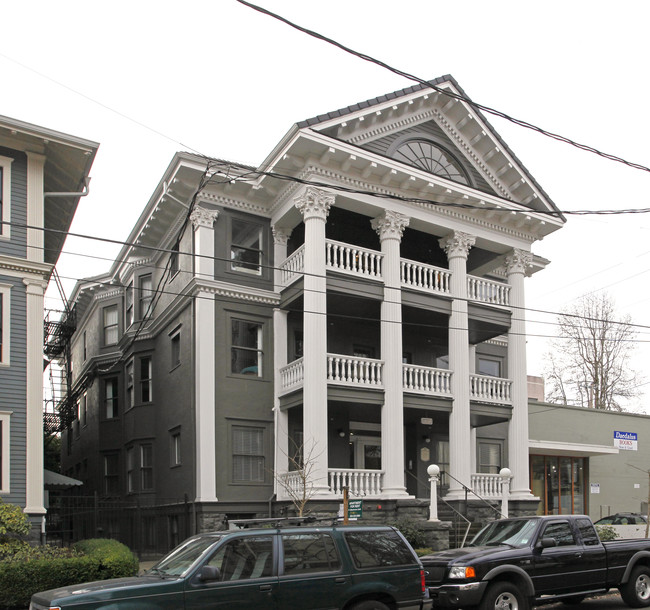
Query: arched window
{"points": [[431, 158]]}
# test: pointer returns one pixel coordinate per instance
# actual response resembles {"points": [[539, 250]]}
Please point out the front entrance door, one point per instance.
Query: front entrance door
{"points": [[367, 452]]}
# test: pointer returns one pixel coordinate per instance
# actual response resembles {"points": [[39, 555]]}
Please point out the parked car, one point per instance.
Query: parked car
{"points": [[514, 563], [626, 525], [297, 568]]}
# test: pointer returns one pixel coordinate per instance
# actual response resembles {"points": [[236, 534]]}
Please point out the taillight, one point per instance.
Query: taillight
{"points": [[424, 587]]}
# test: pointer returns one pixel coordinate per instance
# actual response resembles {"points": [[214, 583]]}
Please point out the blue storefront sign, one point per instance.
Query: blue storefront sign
{"points": [[626, 441]]}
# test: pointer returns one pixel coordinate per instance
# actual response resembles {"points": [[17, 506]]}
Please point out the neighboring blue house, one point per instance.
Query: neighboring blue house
{"points": [[42, 175]]}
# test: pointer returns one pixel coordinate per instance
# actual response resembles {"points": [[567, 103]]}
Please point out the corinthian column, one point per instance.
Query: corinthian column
{"points": [[517, 263], [204, 356], [314, 205], [457, 247], [390, 228]]}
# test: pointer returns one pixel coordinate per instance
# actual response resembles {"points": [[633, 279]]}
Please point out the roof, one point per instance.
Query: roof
{"points": [[436, 82], [55, 481]]}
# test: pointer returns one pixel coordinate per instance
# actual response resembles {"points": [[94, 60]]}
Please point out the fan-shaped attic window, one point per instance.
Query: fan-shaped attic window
{"points": [[431, 158]]}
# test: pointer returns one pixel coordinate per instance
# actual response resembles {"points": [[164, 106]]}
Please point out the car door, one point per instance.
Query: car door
{"points": [[560, 568], [247, 576], [311, 576]]}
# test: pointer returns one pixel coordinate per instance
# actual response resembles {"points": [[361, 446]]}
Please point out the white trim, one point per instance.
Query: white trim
{"points": [[5, 356], [5, 417], [569, 449], [5, 229]]}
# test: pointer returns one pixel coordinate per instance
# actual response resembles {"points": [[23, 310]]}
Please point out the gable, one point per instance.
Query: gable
{"points": [[428, 131]]}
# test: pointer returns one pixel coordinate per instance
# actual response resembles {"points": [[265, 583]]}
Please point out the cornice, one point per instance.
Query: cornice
{"points": [[251, 295], [17, 267], [109, 294], [236, 204], [438, 211]]}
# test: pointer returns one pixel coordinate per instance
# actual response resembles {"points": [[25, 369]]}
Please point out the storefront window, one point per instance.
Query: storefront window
{"points": [[559, 483]]}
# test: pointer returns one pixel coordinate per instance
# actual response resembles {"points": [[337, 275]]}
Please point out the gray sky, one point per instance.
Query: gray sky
{"points": [[218, 78]]}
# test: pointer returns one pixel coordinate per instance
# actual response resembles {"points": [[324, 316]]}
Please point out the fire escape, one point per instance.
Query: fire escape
{"points": [[59, 407]]}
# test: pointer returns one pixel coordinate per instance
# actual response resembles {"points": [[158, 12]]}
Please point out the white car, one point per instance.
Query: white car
{"points": [[626, 525]]}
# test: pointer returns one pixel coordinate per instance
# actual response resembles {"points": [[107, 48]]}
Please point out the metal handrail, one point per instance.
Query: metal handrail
{"points": [[469, 489]]}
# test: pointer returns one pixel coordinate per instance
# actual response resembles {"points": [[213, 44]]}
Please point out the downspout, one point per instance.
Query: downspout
{"points": [[83, 193]]}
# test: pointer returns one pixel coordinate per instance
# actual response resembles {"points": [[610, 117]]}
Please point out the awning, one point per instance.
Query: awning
{"points": [[569, 449], [53, 481]]}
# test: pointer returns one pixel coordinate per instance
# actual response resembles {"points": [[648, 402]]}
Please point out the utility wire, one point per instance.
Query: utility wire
{"points": [[442, 90]]}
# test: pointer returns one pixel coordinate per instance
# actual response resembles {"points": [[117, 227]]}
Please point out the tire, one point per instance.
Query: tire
{"points": [[573, 601], [370, 604], [636, 591], [503, 596]]}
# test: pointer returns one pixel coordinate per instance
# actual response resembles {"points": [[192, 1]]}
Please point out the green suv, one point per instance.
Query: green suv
{"points": [[297, 568]]}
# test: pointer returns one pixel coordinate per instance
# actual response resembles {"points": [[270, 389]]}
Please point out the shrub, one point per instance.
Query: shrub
{"points": [[33, 569], [606, 532], [422, 552], [13, 521], [412, 531]]}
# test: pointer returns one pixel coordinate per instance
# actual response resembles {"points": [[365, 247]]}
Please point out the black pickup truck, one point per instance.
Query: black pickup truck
{"points": [[513, 564]]}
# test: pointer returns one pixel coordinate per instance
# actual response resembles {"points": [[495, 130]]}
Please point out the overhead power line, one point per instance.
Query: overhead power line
{"points": [[444, 91]]}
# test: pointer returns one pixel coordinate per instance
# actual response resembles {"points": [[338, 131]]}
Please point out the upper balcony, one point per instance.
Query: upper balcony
{"points": [[364, 373], [367, 264]]}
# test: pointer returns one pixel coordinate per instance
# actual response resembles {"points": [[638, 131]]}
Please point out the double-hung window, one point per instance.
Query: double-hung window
{"points": [[489, 366], [5, 294], [489, 456], [130, 469], [146, 380], [4, 452], [145, 287], [175, 448], [175, 349], [246, 246], [111, 474], [110, 325], [248, 454], [173, 260], [110, 398], [246, 347], [146, 467], [129, 305], [5, 196], [130, 398]]}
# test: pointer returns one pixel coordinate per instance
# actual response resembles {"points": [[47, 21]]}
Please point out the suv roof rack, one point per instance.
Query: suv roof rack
{"points": [[279, 522]]}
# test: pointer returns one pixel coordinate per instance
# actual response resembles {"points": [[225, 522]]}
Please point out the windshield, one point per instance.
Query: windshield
{"points": [[181, 559], [511, 533]]}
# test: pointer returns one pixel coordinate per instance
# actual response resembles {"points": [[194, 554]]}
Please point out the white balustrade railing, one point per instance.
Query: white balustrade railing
{"points": [[359, 482], [426, 380], [490, 389], [487, 486], [291, 485], [487, 291], [424, 277], [292, 375], [291, 269], [354, 370], [353, 259]]}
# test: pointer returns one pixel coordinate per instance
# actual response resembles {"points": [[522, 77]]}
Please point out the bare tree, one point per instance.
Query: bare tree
{"points": [[589, 362], [297, 482]]}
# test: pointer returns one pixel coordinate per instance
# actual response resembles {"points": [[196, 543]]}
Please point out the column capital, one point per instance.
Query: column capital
{"points": [[202, 217], [280, 235], [390, 225], [314, 203], [35, 286], [457, 244], [518, 261]]}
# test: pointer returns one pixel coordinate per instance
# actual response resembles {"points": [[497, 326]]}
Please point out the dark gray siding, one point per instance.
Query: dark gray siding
{"points": [[433, 131], [16, 246], [13, 383]]}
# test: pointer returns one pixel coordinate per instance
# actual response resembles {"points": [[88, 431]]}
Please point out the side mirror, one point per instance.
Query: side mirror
{"points": [[208, 573], [547, 543]]}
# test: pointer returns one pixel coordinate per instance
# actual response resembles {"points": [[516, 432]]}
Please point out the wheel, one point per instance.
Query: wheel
{"points": [[636, 591], [370, 604], [503, 596], [573, 601]]}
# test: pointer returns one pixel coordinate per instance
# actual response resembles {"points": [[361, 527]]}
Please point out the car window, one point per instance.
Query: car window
{"points": [[588, 532], [374, 549], [605, 521], [561, 532], [305, 553], [244, 558]]}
